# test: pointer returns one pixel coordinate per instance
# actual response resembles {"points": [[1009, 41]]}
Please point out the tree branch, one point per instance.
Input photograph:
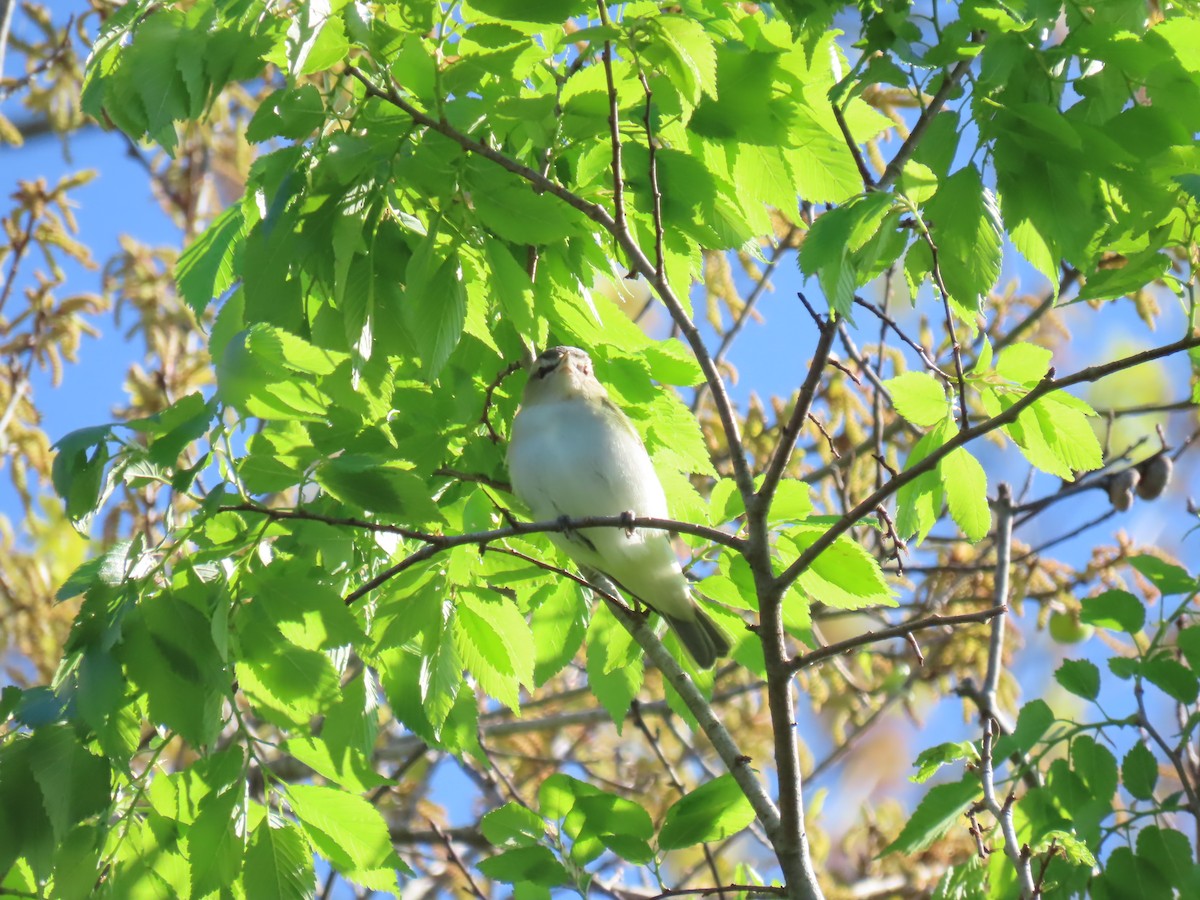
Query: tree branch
{"points": [[902, 630], [909, 147], [804, 402], [1048, 385]]}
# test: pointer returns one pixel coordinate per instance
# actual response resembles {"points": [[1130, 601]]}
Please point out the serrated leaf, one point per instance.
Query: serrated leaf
{"points": [[279, 863], [1139, 772], [1172, 677], [931, 760], [559, 623], [1115, 610], [967, 230], [441, 675], [614, 689], [344, 828], [844, 575], [214, 846], [1033, 721], [919, 397], [486, 652], [712, 812], [1168, 578], [205, 268], [937, 812], [435, 311], [513, 825], [965, 484], [535, 865], [1080, 677], [379, 486], [1023, 363]]}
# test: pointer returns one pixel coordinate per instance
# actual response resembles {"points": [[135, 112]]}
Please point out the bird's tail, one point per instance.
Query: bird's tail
{"points": [[701, 637]]}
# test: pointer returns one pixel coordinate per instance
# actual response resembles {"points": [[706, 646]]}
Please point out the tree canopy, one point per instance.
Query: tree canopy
{"points": [[315, 643]]}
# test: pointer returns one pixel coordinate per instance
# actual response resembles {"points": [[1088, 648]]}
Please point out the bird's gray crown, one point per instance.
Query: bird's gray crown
{"points": [[552, 357]]}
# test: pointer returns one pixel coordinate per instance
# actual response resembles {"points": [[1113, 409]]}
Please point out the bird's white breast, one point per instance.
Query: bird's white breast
{"points": [[574, 458]]}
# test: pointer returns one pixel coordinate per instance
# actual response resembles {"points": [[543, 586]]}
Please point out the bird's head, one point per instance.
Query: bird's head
{"points": [[560, 373]]}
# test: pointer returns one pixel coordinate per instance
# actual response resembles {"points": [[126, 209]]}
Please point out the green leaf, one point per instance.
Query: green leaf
{"points": [[342, 765], [919, 397], [435, 310], [615, 688], [493, 647], [559, 623], [1139, 772], [168, 652], [844, 575], [965, 484], [1172, 677], [919, 503], [967, 230], [1168, 578], [1034, 719], [1115, 610], [1080, 677], [1169, 853], [78, 472], [510, 208], [829, 248], [1096, 765], [1073, 849], [599, 819], [513, 825], [374, 484], [1188, 641], [680, 47], [278, 864], [345, 829], [938, 811], [931, 760], [712, 812], [214, 845], [441, 672], [74, 783], [205, 268], [535, 865], [1023, 363]]}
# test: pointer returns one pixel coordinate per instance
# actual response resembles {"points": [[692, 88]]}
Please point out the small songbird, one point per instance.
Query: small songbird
{"points": [[573, 453]]}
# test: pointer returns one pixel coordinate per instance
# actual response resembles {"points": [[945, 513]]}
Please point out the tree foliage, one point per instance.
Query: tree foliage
{"points": [[310, 595]]}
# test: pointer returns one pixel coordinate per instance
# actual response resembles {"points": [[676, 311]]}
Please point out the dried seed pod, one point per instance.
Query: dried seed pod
{"points": [[1120, 488], [1155, 476]]}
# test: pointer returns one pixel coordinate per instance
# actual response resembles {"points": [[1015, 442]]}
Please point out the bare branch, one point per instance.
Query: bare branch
{"points": [[804, 402], [884, 634], [1048, 385]]}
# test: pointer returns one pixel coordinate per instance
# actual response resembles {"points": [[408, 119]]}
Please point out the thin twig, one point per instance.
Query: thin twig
{"points": [[896, 166], [1004, 525], [804, 402], [614, 128], [1047, 385], [655, 191], [888, 322], [457, 860], [486, 416], [863, 171], [885, 634]]}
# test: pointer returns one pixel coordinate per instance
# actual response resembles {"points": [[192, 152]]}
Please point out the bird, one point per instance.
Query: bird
{"points": [[573, 453]]}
